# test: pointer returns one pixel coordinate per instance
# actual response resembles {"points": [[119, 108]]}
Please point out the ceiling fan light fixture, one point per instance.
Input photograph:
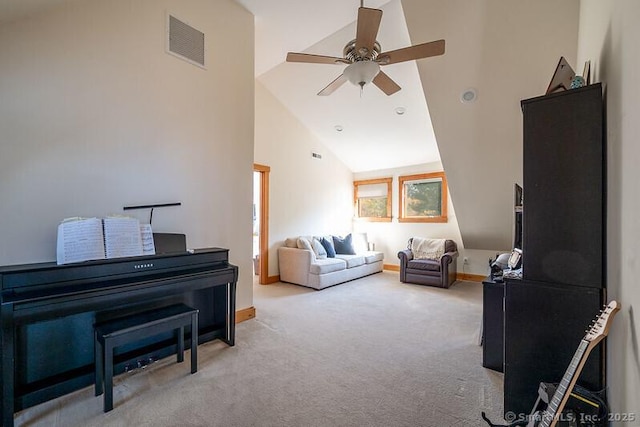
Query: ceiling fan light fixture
{"points": [[364, 56], [361, 73]]}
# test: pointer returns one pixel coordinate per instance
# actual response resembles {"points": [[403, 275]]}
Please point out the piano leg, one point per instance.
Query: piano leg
{"points": [[230, 331], [108, 377], [194, 343], [99, 362]]}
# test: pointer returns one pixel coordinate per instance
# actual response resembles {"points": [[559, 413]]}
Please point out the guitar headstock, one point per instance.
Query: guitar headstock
{"points": [[600, 326]]}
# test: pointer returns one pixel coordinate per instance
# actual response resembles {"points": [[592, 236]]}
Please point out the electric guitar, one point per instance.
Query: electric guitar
{"points": [[596, 333]]}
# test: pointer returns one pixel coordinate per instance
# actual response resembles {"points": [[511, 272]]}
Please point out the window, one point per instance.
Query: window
{"points": [[372, 199], [423, 198]]}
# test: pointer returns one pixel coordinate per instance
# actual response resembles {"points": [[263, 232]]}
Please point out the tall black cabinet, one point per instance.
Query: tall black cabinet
{"points": [[563, 285], [563, 173]]}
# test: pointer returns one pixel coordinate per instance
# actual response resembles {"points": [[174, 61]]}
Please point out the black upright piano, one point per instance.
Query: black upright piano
{"points": [[47, 313]]}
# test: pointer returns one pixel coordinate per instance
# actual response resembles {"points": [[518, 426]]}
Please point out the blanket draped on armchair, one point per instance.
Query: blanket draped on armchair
{"points": [[427, 248]]}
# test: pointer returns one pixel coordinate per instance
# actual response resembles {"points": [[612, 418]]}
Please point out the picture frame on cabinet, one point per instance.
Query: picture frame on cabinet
{"points": [[586, 73]]}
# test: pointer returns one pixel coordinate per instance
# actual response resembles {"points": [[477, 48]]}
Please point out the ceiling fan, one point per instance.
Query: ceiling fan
{"points": [[364, 58]]}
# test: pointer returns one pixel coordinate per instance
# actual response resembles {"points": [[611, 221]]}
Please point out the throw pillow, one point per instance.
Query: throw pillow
{"points": [[320, 251], [328, 246], [344, 245], [291, 242], [360, 244], [304, 244]]}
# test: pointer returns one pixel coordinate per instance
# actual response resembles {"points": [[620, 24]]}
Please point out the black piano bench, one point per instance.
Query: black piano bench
{"points": [[116, 332]]}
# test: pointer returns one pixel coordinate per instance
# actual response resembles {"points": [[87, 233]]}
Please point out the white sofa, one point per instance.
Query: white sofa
{"points": [[304, 267]]}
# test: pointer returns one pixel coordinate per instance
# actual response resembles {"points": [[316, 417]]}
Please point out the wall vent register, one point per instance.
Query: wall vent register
{"points": [[185, 42]]}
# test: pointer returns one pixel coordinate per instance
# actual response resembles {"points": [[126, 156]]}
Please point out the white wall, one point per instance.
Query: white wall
{"points": [[609, 32], [508, 51], [308, 196], [94, 116]]}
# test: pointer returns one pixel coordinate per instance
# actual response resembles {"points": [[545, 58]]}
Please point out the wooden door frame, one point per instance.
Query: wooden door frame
{"points": [[264, 171]]}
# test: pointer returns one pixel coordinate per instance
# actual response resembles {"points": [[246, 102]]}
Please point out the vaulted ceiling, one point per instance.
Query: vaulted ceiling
{"points": [[506, 51], [372, 134]]}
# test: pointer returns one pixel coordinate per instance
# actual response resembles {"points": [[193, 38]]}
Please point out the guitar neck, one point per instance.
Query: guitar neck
{"points": [[549, 419]]}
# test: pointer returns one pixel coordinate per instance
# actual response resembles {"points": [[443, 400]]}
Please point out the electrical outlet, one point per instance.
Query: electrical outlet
{"points": [[465, 260]]}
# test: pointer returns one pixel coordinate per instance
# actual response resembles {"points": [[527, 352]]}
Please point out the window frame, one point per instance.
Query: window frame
{"points": [[356, 184], [419, 177]]}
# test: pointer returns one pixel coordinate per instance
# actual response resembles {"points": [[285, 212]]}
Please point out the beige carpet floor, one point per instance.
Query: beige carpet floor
{"points": [[371, 352]]}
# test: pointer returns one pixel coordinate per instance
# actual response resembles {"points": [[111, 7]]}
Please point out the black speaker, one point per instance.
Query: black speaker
{"points": [[544, 324]]}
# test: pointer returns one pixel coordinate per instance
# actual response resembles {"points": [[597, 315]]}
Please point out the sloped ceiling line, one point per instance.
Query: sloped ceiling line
{"points": [[373, 136]]}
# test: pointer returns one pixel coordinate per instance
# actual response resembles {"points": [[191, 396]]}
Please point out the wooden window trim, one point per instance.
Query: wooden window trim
{"points": [[445, 198], [387, 181]]}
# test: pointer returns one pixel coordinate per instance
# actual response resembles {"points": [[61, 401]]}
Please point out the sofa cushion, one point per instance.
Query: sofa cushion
{"points": [[318, 249], [352, 260], [304, 243], [373, 256], [327, 265], [291, 242], [328, 246], [424, 264], [343, 245]]}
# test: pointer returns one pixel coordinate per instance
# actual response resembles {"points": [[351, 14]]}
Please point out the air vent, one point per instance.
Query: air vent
{"points": [[185, 42]]}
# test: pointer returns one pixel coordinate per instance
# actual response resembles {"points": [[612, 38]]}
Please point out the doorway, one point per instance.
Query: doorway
{"points": [[261, 222]]}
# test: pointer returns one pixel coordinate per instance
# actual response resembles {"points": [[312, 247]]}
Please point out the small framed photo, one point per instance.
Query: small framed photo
{"points": [[586, 73], [515, 260]]}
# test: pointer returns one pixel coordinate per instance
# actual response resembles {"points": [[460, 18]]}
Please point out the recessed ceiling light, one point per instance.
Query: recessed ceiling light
{"points": [[468, 95], [400, 110], [338, 128]]}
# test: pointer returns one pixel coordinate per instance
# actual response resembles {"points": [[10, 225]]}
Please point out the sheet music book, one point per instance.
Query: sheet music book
{"points": [[80, 239], [83, 239], [122, 237]]}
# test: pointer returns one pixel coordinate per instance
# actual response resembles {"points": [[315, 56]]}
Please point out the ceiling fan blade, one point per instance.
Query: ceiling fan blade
{"points": [[314, 59], [418, 51], [333, 85], [368, 25], [385, 83]]}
